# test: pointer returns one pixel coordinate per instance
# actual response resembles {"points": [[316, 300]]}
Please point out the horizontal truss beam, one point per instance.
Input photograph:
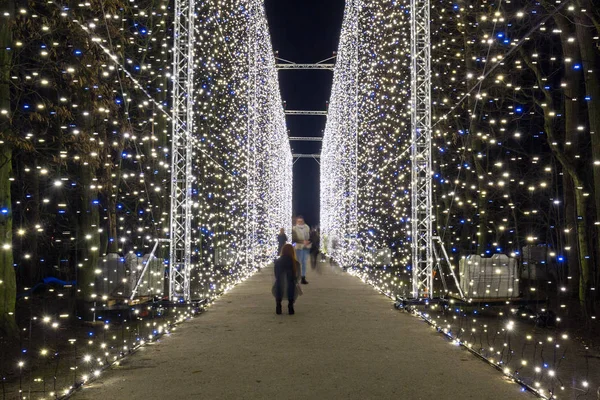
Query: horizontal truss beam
{"points": [[306, 155], [305, 112], [306, 138], [305, 66]]}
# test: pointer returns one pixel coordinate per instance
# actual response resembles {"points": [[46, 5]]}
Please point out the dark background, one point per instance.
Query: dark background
{"points": [[305, 31]]}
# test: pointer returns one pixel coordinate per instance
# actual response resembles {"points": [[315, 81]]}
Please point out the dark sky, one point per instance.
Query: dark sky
{"points": [[305, 31]]}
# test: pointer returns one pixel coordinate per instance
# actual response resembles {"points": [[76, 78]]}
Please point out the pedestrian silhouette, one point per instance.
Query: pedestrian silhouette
{"points": [[286, 278]]}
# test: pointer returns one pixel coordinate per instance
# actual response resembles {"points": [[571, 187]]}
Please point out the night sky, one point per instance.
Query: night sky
{"points": [[305, 31]]}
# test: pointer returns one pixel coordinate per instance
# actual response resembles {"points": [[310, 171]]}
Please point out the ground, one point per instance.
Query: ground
{"points": [[345, 341]]}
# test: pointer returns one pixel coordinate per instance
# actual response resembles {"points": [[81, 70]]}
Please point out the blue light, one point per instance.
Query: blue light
{"points": [[577, 66], [4, 211]]}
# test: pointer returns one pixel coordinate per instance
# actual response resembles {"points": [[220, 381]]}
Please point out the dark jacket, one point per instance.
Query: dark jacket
{"points": [[315, 240], [281, 239], [285, 278]]}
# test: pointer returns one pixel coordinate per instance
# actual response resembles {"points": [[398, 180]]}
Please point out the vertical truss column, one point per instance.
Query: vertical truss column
{"points": [[181, 153], [421, 185], [350, 161]]}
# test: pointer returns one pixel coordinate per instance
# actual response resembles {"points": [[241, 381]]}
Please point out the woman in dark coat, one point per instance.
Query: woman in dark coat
{"points": [[281, 239], [286, 278], [315, 241]]}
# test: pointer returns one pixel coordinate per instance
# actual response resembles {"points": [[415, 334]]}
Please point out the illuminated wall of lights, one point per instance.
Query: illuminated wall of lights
{"points": [[364, 175], [243, 158], [515, 171], [90, 181]]}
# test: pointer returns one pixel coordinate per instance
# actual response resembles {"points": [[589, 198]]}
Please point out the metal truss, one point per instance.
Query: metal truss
{"points": [[151, 257], [306, 138], [181, 152], [304, 112], [421, 163], [438, 266], [287, 64], [305, 66], [317, 156]]}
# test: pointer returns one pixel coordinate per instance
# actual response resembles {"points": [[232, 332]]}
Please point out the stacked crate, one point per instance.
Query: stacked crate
{"points": [[489, 278]]}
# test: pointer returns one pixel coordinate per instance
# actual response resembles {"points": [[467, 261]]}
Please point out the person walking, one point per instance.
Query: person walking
{"points": [[301, 238], [315, 243], [281, 239], [286, 278]]}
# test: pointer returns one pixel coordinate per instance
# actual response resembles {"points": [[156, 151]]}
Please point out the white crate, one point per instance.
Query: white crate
{"points": [[383, 256], [493, 278]]}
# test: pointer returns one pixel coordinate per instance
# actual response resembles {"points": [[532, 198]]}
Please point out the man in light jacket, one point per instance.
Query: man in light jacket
{"points": [[301, 239]]}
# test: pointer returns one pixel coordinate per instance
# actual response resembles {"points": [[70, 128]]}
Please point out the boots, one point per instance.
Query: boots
{"points": [[304, 282], [291, 308], [278, 308]]}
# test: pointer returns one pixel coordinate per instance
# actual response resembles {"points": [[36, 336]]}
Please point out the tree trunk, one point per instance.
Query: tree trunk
{"points": [[569, 167], [581, 211], [8, 283], [572, 99], [89, 223], [584, 253], [473, 141], [590, 58], [571, 224], [111, 214], [35, 266]]}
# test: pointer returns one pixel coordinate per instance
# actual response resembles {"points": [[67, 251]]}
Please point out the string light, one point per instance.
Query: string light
{"points": [[91, 152], [504, 93]]}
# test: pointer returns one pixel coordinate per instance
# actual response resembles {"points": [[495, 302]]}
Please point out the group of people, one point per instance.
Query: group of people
{"points": [[290, 267]]}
